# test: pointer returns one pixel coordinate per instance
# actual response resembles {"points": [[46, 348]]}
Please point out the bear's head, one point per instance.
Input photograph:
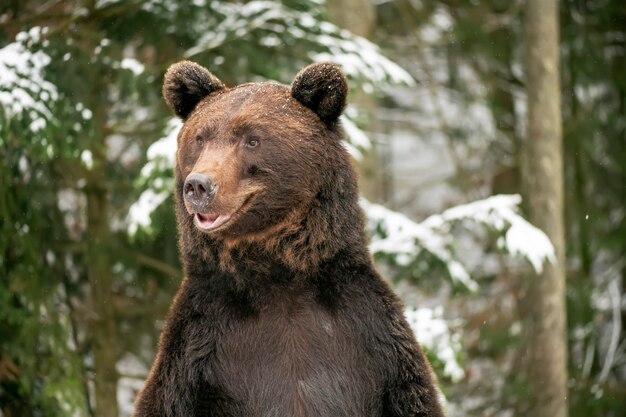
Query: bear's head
{"points": [[260, 159]]}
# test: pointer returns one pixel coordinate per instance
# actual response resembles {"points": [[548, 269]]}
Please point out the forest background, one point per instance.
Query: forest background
{"points": [[439, 121]]}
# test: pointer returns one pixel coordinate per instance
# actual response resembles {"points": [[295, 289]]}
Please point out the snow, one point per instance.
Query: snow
{"points": [[525, 240], [356, 140], [366, 62], [358, 57], [275, 24], [161, 157], [500, 213], [23, 165], [132, 377], [162, 153], [433, 333], [101, 4], [37, 124], [133, 65], [139, 213], [396, 235], [84, 112], [87, 158], [23, 88], [439, 24], [155, 6]]}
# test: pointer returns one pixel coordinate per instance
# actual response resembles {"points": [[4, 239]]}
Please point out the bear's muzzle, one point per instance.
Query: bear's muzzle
{"points": [[199, 191]]}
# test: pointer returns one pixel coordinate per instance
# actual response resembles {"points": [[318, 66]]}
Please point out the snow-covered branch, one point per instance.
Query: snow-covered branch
{"points": [[401, 239], [273, 25], [433, 333], [24, 91]]}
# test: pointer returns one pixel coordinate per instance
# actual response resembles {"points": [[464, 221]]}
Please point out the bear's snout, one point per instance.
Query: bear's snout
{"points": [[199, 190]]}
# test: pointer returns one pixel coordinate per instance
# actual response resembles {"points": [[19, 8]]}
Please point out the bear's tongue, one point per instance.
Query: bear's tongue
{"points": [[210, 221]]}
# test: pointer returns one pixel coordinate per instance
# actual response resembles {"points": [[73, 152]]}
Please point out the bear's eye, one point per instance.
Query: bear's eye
{"points": [[252, 143], [199, 139]]}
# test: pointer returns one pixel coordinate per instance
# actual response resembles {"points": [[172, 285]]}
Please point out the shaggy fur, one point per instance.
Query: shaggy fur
{"points": [[323, 88], [281, 313], [186, 83]]}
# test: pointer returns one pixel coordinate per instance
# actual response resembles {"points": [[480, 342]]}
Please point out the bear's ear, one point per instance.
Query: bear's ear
{"points": [[185, 84], [323, 88]]}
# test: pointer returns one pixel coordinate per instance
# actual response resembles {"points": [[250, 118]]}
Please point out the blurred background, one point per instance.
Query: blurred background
{"points": [[494, 197]]}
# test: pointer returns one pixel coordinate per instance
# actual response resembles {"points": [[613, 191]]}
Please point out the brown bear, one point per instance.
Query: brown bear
{"points": [[281, 312]]}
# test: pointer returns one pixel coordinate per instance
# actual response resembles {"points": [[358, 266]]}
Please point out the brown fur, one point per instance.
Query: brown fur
{"points": [[281, 312]]}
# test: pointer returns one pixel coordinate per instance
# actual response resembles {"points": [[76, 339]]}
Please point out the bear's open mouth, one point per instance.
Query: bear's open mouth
{"points": [[210, 221], [207, 222]]}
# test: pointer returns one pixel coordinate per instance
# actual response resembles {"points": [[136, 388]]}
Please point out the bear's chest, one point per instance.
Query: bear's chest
{"points": [[297, 359]]}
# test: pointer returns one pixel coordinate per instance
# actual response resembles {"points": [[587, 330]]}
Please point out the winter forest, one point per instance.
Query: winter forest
{"points": [[490, 141]]}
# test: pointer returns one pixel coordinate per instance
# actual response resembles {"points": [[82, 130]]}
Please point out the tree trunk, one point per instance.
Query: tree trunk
{"points": [[543, 182], [359, 17], [103, 332]]}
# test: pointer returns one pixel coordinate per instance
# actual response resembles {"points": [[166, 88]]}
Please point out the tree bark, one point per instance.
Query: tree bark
{"points": [[543, 183], [359, 17], [103, 331]]}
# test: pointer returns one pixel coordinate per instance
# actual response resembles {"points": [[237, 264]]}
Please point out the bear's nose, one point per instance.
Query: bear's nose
{"points": [[199, 190]]}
